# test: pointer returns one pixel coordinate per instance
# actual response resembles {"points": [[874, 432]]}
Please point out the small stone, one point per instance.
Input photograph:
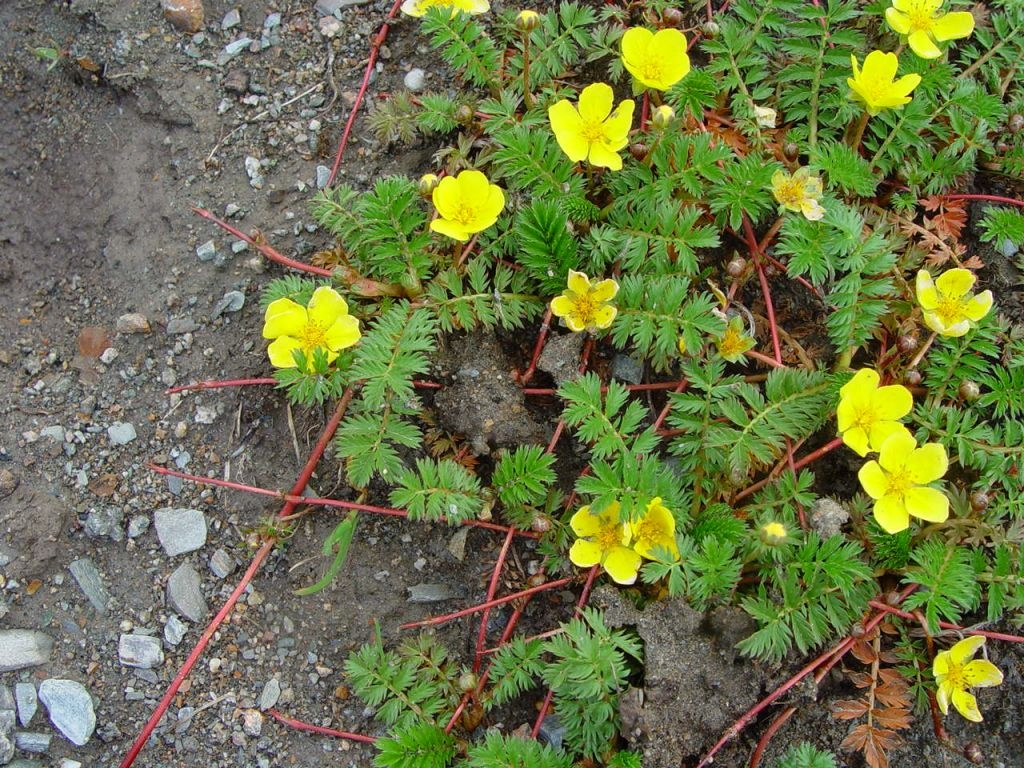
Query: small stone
{"points": [[27, 699], [54, 432], [140, 651], [252, 722], [184, 15], [132, 322], [232, 301], [233, 48], [270, 694], [415, 80], [6, 750], [27, 741], [206, 414], [1007, 248], [222, 564], [231, 19], [180, 325], [108, 355], [430, 593], [138, 525], [67, 762], [273, 21], [180, 530], [328, 7], [234, 209], [185, 593], [625, 368], [236, 81], [121, 432], [105, 522], [207, 251], [70, 708], [8, 482], [91, 583], [254, 170], [323, 176], [174, 630]]}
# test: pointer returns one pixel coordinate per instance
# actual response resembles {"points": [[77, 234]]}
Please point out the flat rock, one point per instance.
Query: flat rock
{"points": [[90, 582], [222, 564], [185, 593], [184, 15], [20, 648], [180, 530], [105, 522], [6, 750], [29, 741], [270, 694], [132, 322], [121, 433], [140, 651], [70, 708], [27, 699], [174, 630]]}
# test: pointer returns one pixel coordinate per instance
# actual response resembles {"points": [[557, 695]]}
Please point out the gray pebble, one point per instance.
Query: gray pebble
{"points": [[141, 651], [121, 432], [272, 21], [1007, 248], [185, 594], [252, 722], [174, 630], [222, 564], [207, 251], [6, 750], [70, 708], [270, 694], [138, 525], [431, 593], [91, 583], [179, 325], [55, 432], [132, 322], [28, 702], [625, 368], [254, 170], [27, 741], [231, 19], [323, 176], [180, 530], [232, 49], [232, 301], [415, 80], [105, 522]]}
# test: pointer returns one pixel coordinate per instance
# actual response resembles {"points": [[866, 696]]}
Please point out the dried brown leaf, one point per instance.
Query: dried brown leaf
{"points": [[864, 652], [93, 341], [894, 718], [873, 743], [860, 679], [849, 709]]}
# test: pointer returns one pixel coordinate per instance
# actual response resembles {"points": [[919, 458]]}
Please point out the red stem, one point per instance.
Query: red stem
{"points": [[755, 253], [538, 347], [219, 385], [378, 41], [481, 637], [303, 726], [989, 198], [489, 604], [798, 464], [947, 625], [266, 250]]}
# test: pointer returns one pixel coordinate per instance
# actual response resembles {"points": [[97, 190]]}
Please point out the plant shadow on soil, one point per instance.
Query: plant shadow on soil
{"points": [[100, 170]]}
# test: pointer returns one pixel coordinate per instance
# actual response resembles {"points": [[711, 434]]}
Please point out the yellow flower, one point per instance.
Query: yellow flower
{"points": [[662, 117], [593, 132], [419, 8], [949, 307], [923, 24], [868, 414], [955, 672], [604, 538], [734, 342], [527, 21], [898, 482], [586, 307], [324, 324], [799, 192], [656, 59], [427, 184], [876, 85], [654, 533], [466, 204]]}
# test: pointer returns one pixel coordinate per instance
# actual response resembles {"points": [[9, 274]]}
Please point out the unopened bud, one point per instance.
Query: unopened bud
{"points": [[969, 391], [527, 21], [671, 17], [536, 580], [773, 534], [736, 267], [973, 753], [908, 343], [912, 378], [638, 150], [766, 116], [428, 183], [1015, 123], [710, 29], [791, 150], [464, 114], [979, 501], [663, 117], [467, 681], [540, 523]]}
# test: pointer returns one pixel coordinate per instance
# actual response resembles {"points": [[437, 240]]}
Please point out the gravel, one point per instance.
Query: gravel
{"points": [[121, 433], [27, 699], [70, 707]]}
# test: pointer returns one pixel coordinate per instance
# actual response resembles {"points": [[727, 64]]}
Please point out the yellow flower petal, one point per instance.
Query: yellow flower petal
{"points": [[604, 316], [982, 674], [882, 431], [578, 283], [450, 229], [595, 103], [568, 129], [585, 553], [923, 45], [927, 463], [447, 197], [857, 440], [618, 125], [635, 42], [893, 401], [343, 333], [978, 306], [873, 479], [284, 318], [605, 290], [892, 455], [963, 650], [561, 306], [955, 283], [326, 306], [280, 352], [966, 705], [953, 26], [583, 523], [941, 665], [891, 514], [622, 565], [602, 157], [899, 22], [864, 382], [927, 504], [669, 46], [942, 698]]}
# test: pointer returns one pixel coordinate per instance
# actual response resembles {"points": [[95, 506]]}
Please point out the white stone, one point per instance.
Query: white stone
{"points": [[70, 708], [140, 651], [20, 648], [121, 432], [28, 702], [180, 530]]}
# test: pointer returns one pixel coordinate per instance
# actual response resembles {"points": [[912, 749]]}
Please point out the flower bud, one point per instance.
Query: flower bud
{"points": [[638, 150], [908, 343], [663, 117], [672, 17], [710, 29], [979, 501], [467, 681], [536, 580], [773, 534], [791, 150], [527, 21], [736, 267], [1015, 123], [681, 345], [540, 523], [912, 378], [464, 114], [969, 391], [428, 183], [973, 753]]}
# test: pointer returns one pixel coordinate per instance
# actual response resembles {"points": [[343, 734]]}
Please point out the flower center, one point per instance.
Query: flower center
{"points": [[921, 15], [464, 214], [865, 418], [955, 677], [313, 335], [790, 192], [583, 308], [609, 537], [652, 70], [593, 131], [950, 310], [899, 482]]}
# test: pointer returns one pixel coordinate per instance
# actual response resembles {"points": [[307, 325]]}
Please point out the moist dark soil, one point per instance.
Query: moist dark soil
{"points": [[104, 156]]}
